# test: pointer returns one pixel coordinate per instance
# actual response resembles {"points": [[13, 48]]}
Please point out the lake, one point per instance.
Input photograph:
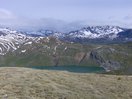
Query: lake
{"points": [[76, 69]]}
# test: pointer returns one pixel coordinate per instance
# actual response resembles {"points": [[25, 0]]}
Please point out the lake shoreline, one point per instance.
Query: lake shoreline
{"points": [[76, 69]]}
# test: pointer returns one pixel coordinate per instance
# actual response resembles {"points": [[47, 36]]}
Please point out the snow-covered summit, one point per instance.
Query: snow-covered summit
{"points": [[11, 40], [93, 32]]}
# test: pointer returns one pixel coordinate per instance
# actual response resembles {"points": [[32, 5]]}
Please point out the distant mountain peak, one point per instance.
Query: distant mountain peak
{"points": [[12, 39]]}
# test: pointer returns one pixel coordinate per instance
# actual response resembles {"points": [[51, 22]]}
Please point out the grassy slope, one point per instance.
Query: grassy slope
{"points": [[23, 83]]}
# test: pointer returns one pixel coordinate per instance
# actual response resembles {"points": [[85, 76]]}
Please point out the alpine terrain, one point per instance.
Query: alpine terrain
{"points": [[109, 47]]}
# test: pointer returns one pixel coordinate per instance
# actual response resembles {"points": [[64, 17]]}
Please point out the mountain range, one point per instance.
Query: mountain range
{"points": [[88, 34], [105, 46]]}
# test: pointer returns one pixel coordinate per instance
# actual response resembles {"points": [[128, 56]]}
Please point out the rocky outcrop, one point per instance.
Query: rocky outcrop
{"points": [[111, 65], [79, 57], [107, 64]]}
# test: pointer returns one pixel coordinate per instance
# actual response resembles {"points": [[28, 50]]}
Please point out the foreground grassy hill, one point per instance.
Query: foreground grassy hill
{"points": [[24, 83]]}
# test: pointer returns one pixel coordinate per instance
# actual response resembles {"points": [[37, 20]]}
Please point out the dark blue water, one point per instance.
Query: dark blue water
{"points": [[76, 69]]}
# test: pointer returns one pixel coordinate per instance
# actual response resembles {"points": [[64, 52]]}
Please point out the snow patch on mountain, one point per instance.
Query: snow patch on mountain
{"points": [[23, 51], [11, 40]]}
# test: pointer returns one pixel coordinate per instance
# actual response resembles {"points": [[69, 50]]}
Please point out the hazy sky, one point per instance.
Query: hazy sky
{"points": [[92, 12]]}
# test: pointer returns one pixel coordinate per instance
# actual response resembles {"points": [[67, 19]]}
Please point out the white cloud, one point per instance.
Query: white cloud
{"points": [[128, 17], [10, 19], [5, 14]]}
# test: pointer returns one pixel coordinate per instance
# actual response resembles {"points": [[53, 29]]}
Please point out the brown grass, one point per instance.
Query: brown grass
{"points": [[24, 83]]}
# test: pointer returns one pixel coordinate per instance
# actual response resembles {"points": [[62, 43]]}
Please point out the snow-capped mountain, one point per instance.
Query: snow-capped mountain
{"points": [[49, 48], [44, 33], [90, 32], [40, 32], [94, 32], [11, 40]]}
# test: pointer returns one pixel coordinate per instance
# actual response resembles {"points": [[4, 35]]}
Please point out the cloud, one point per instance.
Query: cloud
{"points": [[10, 19], [48, 23], [5, 14], [128, 17]]}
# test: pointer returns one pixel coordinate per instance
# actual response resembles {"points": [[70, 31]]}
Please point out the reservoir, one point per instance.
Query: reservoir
{"points": [[76, 69]]}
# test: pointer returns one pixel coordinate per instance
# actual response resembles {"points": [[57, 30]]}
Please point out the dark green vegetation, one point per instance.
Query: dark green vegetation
{"points": [[53, 52]]}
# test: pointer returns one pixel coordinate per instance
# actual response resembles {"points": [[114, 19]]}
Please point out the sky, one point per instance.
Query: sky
{"points": [[53, 13]]}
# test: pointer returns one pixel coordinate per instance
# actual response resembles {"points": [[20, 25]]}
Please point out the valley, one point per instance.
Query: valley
{"points": [[23, 50]]}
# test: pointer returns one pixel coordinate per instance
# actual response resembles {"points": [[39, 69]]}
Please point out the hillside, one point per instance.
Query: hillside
{"points": [[19, 49], [53, 52], [23, 83]]}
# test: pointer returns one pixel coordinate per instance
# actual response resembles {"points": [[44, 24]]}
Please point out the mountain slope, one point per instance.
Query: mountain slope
{"points": [[58, 53], [90, 34], [97, 32], [20, 49], [11, 40]]}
